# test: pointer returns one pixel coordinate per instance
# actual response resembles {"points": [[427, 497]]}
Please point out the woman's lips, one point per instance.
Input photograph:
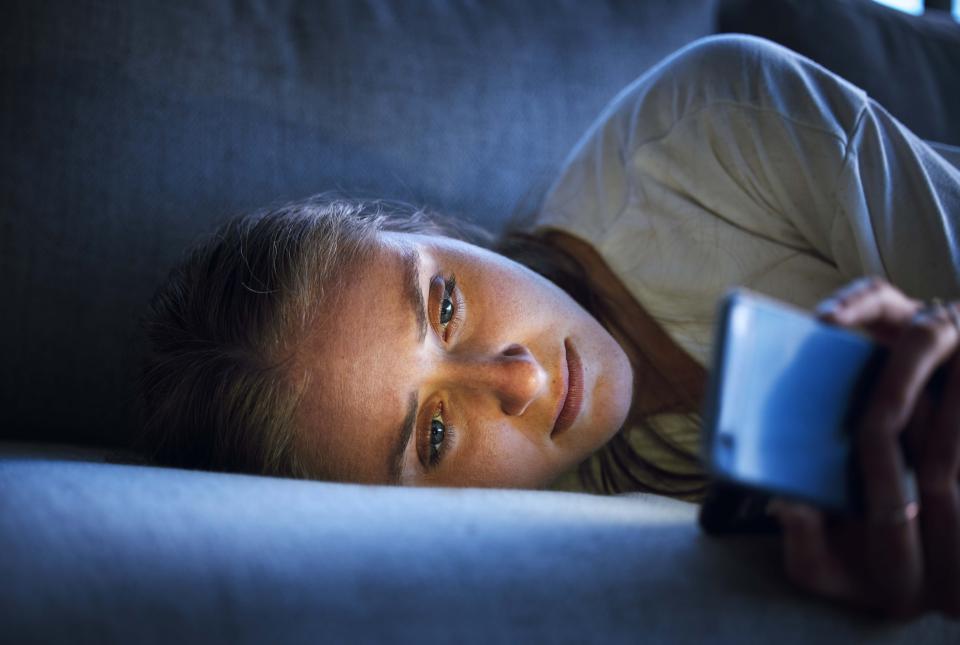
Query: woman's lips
{"points": [[573, 390]]}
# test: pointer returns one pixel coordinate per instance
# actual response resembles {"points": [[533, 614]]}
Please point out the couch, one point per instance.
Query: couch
{"points": [[131, 129]]}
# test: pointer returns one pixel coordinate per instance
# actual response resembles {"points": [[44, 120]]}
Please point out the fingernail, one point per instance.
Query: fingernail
{"points": [[827, 308]]}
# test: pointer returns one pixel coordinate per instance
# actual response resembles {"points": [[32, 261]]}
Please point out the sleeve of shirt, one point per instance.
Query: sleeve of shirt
{"points": [[898, 204], [781, 149]]}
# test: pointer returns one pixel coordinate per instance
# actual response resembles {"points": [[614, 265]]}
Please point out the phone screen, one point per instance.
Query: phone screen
{"points": [[785, 393]]}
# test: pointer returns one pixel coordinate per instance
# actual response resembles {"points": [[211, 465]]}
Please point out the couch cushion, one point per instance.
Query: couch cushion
{"points": [[909, 64], [108, 553], [129, 128]]}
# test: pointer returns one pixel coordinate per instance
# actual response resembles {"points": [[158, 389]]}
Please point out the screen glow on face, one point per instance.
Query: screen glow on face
{"points": [[444, 364]]}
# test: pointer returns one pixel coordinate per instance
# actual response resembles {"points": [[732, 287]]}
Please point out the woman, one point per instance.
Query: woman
{"points": [[345, 340]]}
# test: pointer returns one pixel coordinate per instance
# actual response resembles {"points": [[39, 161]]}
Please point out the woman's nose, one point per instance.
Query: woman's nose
{"points": [[513, 375]]}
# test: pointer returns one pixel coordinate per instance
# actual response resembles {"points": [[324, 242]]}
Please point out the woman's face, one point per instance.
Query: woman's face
{"points": [[445, 364]]}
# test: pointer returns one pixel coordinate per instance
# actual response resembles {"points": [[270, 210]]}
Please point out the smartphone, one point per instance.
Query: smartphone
{"points": [[784, 396]]}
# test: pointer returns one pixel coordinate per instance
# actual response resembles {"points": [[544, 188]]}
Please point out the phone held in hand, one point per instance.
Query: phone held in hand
{"points": [[784, 396]]}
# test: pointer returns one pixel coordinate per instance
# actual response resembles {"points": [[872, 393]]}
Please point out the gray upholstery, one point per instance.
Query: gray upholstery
{"points": [[165, 556]]}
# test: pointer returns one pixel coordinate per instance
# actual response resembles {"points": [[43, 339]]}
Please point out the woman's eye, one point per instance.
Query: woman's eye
{"points": [[438, 432], [449, 313], [446, 310]]}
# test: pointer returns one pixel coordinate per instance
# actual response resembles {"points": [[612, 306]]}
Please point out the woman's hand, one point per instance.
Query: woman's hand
{"points": [[903, 556]]}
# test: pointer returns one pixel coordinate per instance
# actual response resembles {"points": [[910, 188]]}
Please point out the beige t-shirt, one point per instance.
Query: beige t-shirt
{"points": [[738, 163]]}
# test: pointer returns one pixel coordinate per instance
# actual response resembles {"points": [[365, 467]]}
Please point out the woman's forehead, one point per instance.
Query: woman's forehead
{"points": [[355, 360]]}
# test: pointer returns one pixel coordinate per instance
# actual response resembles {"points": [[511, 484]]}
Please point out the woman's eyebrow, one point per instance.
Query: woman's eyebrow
{"points": [[411, 283], [411, 287], [404, 433]]}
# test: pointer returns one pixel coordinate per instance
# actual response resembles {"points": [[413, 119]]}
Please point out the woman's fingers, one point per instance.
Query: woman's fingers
{"points": [[894, 547], [911, 551], [872, 303], [939, 471], [926, 342]]}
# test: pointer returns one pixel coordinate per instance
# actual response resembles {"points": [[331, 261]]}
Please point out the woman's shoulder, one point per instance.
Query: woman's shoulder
{"points": [[697, 135], [736, 70]]}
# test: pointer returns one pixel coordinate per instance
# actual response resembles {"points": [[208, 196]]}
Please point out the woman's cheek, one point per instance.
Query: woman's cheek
{"points": [[505, 457]]}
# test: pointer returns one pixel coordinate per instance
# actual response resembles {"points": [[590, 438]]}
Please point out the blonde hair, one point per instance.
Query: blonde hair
{"points": [[215, 391]]}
